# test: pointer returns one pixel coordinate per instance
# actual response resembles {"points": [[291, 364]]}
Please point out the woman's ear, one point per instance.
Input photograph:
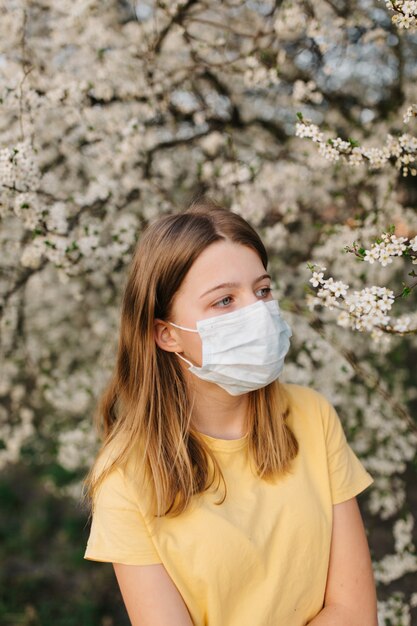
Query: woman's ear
{"points": [[166, 337]]}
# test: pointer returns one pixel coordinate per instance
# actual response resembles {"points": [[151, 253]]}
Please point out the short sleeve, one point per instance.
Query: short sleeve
{"points": [[348, 477], [118, 531]]}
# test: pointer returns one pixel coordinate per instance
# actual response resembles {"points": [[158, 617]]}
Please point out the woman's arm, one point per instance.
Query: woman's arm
{"points": [[150, 596], [350, 597]]}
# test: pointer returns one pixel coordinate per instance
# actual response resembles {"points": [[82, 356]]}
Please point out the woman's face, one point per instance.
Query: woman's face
{"points": [[225, 277]]}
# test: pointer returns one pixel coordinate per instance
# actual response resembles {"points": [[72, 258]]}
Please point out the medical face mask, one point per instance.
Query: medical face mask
{"points": [[242, 350]]}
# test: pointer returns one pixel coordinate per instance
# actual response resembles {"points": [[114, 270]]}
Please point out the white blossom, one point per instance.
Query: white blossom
{"points": [[394, 610], [19, 167], [410, 112], [390, 246], [403, 534], [404, 21], [76, 448], [310, 131], [57, 218], [32, 254], [329, 152], [402, 324], [393, 566], [316, 279], [413, 243]]}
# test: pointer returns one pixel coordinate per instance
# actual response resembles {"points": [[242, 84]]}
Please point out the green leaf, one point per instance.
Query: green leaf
{"points": [[300, 116], [73, 246]]}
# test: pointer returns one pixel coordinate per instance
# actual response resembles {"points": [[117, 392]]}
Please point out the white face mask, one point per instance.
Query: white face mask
{"points": [[242, 350]]}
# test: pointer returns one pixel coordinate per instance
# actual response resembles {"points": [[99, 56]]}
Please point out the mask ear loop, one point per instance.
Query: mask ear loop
{"points": [[191, 330], [184, 359]]}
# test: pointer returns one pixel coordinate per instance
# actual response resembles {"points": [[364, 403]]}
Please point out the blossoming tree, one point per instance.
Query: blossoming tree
{"points": [[298, 115]]}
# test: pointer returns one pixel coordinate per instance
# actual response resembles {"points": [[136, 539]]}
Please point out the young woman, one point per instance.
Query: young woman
{"points": [[222, 496]]}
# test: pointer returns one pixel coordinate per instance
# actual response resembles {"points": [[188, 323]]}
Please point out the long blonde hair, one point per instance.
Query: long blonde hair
{"points": [[146, 398]]}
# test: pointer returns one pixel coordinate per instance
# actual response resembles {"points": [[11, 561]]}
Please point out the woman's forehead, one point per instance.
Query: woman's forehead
{"points": [[223, 262]]}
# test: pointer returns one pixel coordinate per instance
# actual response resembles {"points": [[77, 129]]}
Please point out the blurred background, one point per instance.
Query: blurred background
{"points": [[113, 113]]}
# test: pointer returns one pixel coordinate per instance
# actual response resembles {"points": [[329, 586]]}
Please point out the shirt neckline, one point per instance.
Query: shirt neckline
{"points": [[225, 445]]}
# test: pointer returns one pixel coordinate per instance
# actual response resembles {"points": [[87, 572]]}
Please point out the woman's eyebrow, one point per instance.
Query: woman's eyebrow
{"points": [[223, 285]]}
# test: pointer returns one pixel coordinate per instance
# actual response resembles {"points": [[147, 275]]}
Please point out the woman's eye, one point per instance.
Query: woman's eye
{"points": [[223, 301], [266, 290]]}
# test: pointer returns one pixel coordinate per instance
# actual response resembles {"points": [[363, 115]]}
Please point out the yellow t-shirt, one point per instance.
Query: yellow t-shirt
{"points": [[260, 558]]}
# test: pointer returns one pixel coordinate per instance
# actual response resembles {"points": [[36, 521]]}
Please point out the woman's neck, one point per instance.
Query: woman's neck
{"points": [[217, 413]]}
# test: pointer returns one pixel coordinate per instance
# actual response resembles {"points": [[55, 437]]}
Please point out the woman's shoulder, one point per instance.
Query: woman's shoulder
{"points": [[301, 395], [308, 408], [120, 472]]}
